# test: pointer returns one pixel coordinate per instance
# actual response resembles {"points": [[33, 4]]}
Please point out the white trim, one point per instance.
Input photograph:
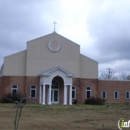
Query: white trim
{"points": [[53, 102], [35, 91], [67, 76], [70, 97], [40, 101], [14, 88], [49, 95], [65, 95], [57, 82], [43, 94], [88, 90], [46, 83], [105, 94], [125, 94], [53, 89], [50, 43], [48, 72], [57, 76], [117, 94], [74, 91], [67, 84]]}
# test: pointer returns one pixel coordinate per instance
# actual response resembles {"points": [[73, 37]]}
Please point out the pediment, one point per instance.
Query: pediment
{"points": [[50, 71], [53, 35]]}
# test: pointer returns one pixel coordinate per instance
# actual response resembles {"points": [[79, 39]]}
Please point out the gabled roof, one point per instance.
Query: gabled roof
{"points": [[55, 34], [48, 72]]}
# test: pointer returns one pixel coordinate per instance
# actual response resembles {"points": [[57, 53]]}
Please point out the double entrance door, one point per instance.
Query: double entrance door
{"points": [[55, 96], [55, 92]]}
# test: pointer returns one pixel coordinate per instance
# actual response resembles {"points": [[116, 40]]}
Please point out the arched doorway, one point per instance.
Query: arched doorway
{"points": [[56, 87], [55, 91]]}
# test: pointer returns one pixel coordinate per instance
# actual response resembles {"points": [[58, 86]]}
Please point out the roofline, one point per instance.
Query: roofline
{"points": [[89, 58], [69, 40], [16, 53], [39, 37], [53, 33], [46, 73], [114, 80]]}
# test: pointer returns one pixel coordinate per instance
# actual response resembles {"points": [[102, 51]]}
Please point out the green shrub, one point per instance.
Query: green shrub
{"points": [[95, 101], [75, 101], [9, 98]]}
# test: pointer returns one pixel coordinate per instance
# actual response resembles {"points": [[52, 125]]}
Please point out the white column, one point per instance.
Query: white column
{"points": [[49, 97], [70, 97], [44, 94], [65, 95], [40, 100]]}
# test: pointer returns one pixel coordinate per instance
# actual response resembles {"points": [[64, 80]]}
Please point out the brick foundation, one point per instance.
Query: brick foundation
{"points": [[111, 86], [97, 86]]}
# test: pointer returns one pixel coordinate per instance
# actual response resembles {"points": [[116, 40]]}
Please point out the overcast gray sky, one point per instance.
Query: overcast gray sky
{"points": [[101, 27]]}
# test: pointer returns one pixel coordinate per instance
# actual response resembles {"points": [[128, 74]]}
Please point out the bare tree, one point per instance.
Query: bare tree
{"points": [[128, 77], [111, 75], [19, 106], [124, 76], [103, 76]]}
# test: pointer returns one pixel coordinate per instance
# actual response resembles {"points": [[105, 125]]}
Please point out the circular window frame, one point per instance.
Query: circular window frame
{"points": [[50, 43]]}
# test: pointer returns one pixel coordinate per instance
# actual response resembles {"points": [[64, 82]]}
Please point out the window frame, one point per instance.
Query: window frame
{"points": [[89, 91], [126, 94], [14, 89], [35, 91], [105, 94], [74, 92], [117, 94]]}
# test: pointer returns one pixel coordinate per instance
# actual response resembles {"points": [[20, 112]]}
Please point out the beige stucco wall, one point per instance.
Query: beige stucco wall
{"points": [[15, 65], [40, 58], [88, 67]]}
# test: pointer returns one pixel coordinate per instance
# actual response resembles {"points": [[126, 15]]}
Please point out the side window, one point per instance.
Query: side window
{"points": [[127, 95], [104, 94], [73, 92], [14, 89], [116, 95], [88, 92], [33, 91]]}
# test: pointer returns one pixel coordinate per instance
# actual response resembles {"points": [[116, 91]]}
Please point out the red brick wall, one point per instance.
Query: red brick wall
{"points": [[32, 80], [111, 86], [97, 86], [81, 85], [8, 81], [23, 83]]}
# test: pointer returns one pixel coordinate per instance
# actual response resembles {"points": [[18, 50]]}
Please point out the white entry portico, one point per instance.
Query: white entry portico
{"points": [[53, 82]]}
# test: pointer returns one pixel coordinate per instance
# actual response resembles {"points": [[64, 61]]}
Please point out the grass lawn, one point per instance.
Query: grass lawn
{"points": [[58, 117]]}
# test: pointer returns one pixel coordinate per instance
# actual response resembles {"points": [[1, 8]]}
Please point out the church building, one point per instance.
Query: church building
{"points": [[53, 71]]}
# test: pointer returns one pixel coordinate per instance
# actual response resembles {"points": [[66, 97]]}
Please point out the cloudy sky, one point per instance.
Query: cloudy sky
{"points": [[101, 27]]}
